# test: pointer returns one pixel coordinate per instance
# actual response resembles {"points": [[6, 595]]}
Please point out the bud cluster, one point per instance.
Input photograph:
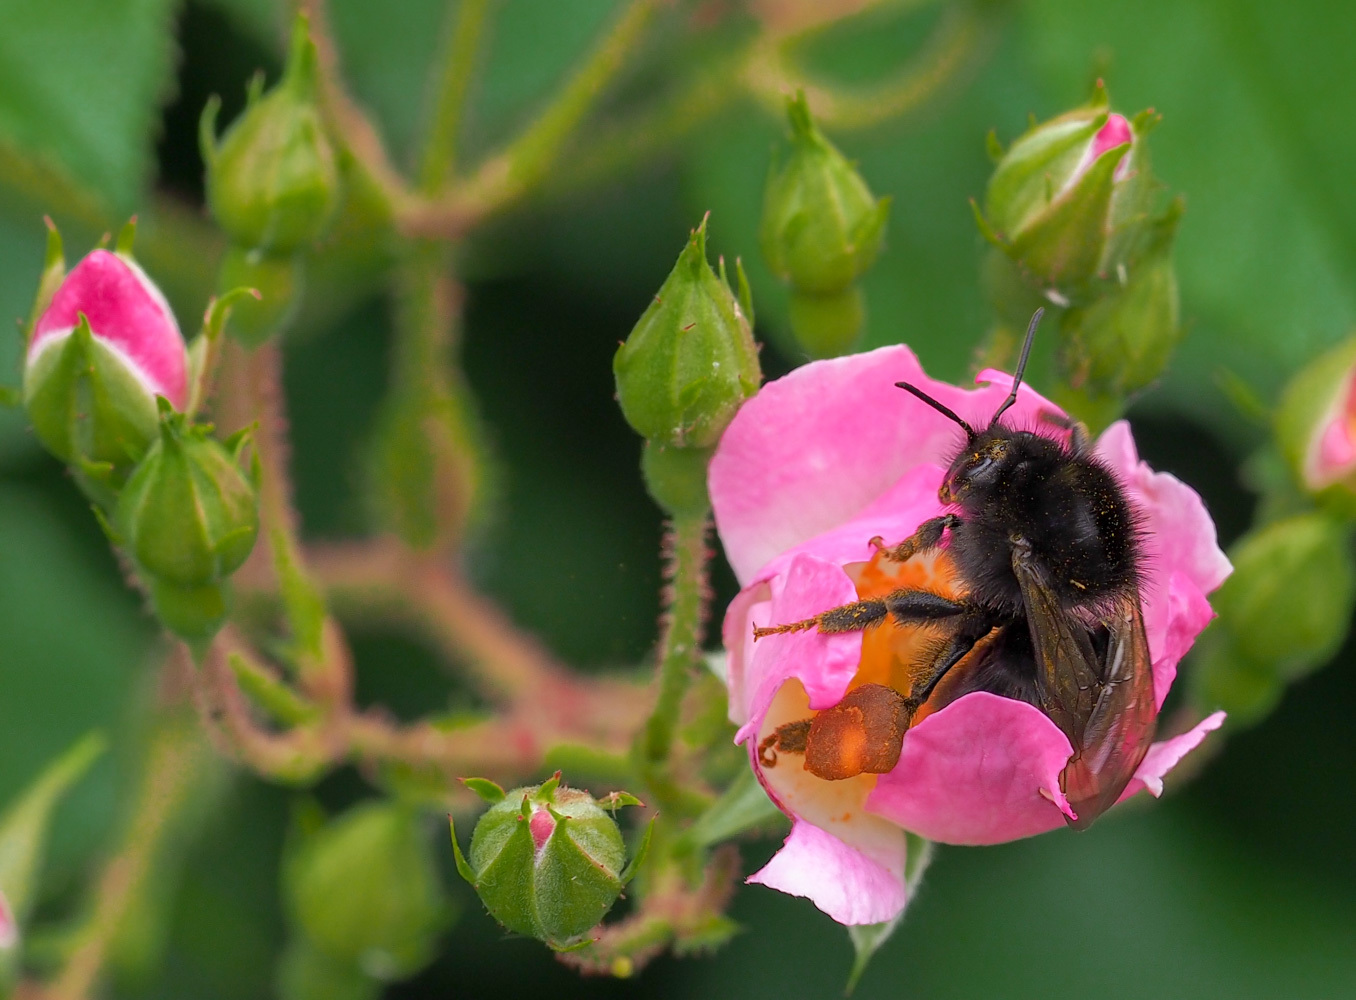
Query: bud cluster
{"points": [[821, 230], [1070, 213], [688, 365], [107, 383], [547, 861], [273, 187]]}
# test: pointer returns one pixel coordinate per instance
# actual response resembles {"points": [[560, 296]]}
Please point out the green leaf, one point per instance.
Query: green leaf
{"points": [[866, 939], [23, 827], [81, 81]]}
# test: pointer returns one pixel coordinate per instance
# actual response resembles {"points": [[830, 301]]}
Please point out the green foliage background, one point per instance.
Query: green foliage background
{"points": [[1245, 885]]}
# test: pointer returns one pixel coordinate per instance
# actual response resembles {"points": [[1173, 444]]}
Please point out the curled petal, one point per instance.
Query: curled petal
{"points": [[1163, 757], [843, 882]]}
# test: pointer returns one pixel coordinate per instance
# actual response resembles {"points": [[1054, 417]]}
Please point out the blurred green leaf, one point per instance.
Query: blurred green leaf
{"points": [[81, 81]]}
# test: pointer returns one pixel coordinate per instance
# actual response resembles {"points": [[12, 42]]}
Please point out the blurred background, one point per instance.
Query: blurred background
{"points": [[1241, 884]]}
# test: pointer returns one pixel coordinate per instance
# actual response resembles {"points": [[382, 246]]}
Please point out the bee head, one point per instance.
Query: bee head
{"points": [[981, 465]]}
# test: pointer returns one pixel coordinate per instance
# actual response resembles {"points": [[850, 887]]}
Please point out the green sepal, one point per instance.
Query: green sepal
{"points": [[485, 788], [127, 237], [53, 273], [616, 800], [1064, 246], [743, 806], [207, 131], [85, 403], [463, 866], [642, 851]]}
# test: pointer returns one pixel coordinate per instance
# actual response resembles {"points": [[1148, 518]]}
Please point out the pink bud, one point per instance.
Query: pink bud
{"points": [[128, 314], [541, 826], [1116, 132], [9, 926]]}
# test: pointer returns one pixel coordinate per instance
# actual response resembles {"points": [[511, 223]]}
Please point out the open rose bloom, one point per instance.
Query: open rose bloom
{"points": [[814, 467]]}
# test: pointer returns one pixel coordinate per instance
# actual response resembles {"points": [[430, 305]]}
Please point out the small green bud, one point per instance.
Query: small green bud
{"points": [[273, 183], [1287, 606], [1122, 340], [279, 280], [822, 227], [547, 861], [690, 360], [188, 514], [1316, 427], [364, 890], [1065, 201]]}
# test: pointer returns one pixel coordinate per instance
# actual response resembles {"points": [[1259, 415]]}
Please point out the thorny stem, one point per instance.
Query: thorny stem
{"points": [[526, 161], [680, 650], [174, 766], [454, 79]]}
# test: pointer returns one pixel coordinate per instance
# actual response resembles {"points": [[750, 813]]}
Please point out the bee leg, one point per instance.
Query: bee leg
{"points": [[789, 738], [848, 618], [928, 536], [1079, 438]]}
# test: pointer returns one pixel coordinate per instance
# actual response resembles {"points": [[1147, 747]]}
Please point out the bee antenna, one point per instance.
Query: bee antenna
{"points": [[941, 408], [1021, 364]]}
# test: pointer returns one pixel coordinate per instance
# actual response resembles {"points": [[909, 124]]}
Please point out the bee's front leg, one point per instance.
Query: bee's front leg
{"points": [[928, 536]]}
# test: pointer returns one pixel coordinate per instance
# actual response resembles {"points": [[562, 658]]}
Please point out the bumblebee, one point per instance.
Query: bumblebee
{"points": [[1046, 551]]}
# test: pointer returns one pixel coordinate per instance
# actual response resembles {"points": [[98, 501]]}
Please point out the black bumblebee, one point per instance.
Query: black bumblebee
{"points": [[1046, 549]]}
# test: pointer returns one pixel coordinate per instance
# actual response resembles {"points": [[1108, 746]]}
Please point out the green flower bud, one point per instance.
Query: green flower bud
{"points": [[1121, 342], [1316, 427], [1283, 612], [690, 361], [188, 514], [364, 890], [547, 861], [273, 183], [822, 227], [279, 282], [1066, 199]]}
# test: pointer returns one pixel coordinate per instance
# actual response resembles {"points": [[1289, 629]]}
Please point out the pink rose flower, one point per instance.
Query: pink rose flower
{"points": [[127, 314], [811, 469]]}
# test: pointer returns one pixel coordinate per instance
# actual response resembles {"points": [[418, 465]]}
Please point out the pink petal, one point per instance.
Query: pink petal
{"points": [[1116, 132], [1182, 559], [128, 314], [824, 664], [983, 770], [844, 883], [815, 448], [1163, 757]]}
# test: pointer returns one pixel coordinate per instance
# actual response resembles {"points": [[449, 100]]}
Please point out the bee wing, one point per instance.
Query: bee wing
{"points": [[1104, 704]]}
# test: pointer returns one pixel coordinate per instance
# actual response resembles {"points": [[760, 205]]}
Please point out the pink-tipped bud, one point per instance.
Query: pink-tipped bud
{"points": [[9, 924], [98, 357]]}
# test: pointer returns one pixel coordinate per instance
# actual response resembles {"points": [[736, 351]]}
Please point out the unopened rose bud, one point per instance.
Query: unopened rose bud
{"points": [[1316, 427], [546, 861], [1064, 199], [364, 891], [188, 514], [273, 182], [690, 360], [102, 350], [1283, 613], [1122, 340], [821, 229]]}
